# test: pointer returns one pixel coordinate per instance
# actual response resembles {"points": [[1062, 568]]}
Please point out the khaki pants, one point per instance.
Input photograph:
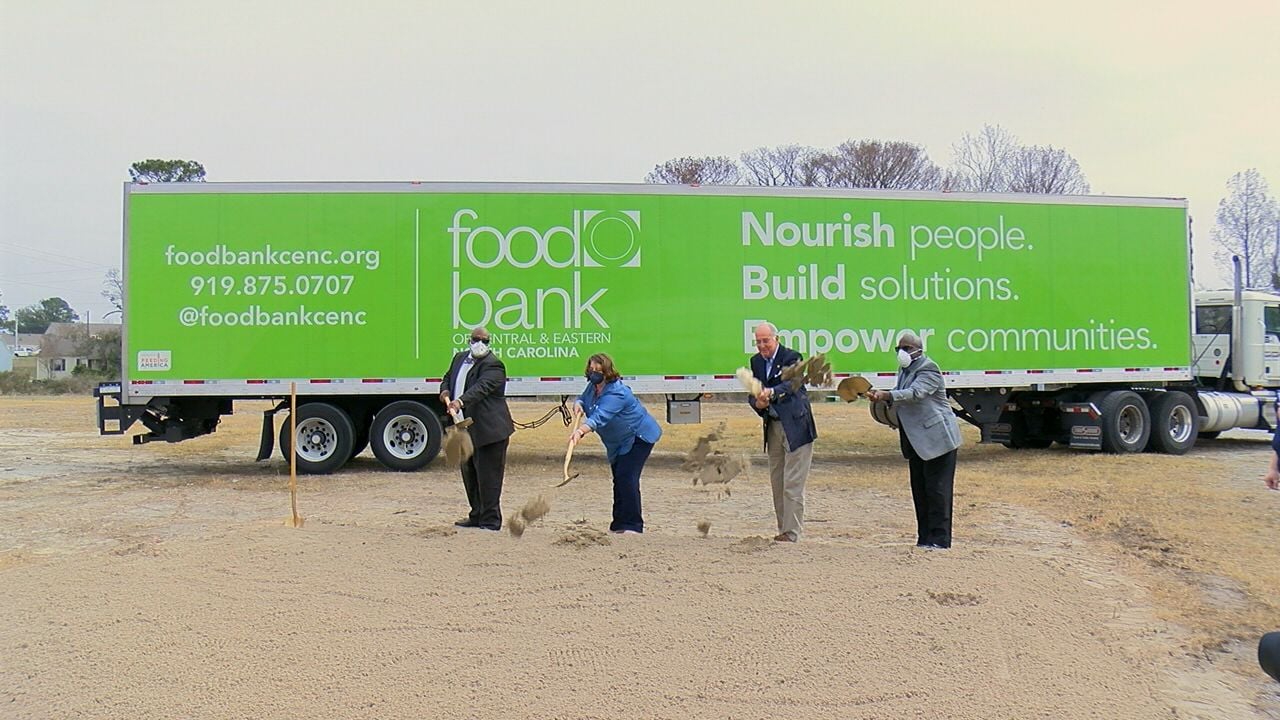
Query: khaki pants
{"points": [[788, 471]]}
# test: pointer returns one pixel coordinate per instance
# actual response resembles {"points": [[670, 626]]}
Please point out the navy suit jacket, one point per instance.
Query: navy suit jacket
{"points": [[792, 407]]}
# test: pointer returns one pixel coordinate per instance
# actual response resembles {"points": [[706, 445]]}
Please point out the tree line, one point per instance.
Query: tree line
{"points": [[991, 160]]}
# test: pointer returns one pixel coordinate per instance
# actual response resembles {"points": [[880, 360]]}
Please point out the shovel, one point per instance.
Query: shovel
{"points": [[457, 440], [540, 505], [568, 456], [852, 388]]}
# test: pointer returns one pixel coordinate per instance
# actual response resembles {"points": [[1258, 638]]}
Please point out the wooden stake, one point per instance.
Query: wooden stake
{"points": [[294, 520]]}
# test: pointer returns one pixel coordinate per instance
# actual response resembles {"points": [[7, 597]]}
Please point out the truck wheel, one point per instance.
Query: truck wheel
{"points": [[325, 436], [405, 435], [1174, 423], [1126, 422]]}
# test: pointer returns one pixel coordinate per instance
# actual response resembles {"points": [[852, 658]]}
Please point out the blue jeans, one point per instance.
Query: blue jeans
{"points": [[626, 487]]}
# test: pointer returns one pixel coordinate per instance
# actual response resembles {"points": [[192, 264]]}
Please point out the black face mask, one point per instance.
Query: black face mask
{"points": [[595, 378]]}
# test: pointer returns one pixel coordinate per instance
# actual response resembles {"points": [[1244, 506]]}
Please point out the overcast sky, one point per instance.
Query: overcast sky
{"points": [[1154, 99]]}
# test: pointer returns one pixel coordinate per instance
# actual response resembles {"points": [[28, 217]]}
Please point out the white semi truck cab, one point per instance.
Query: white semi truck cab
{"points": [[1232, 383]]}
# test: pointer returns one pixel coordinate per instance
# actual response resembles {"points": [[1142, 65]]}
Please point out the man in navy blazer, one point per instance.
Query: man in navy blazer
{"points": [[789, 431]]}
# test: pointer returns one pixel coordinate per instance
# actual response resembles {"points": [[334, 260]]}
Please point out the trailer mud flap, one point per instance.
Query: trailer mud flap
{"points": [[1084, 425], [268, 443]]}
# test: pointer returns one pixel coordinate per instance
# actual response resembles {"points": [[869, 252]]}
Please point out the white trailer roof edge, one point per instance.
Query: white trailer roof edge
{"points": [[191, 188]]}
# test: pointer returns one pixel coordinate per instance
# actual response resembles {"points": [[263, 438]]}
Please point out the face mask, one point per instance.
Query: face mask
{"points": [[904, 358], [595, 378], [479, 349]]}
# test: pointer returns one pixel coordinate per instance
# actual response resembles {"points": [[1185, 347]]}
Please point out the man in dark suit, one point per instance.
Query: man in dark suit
{"points": [[789, 431], [475, 386]]}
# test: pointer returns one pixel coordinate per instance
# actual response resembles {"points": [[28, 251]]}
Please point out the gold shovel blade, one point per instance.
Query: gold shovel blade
{"points": [[852, 388], [456, 446]]}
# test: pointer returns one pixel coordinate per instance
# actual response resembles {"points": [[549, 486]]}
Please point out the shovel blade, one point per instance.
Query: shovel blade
{"points": [[457, 446], [465, 448], [452, 451]]}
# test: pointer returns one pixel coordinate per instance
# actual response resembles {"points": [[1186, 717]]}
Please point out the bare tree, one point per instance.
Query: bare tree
{"points": [[876, 164], [113, 288], [951, 180], [982, 161], [1247, 227], [1046, 169], [991, 161], [819, 169], [780, 166], [710, 170]]}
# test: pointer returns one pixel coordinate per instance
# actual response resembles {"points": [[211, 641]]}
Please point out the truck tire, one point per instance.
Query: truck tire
{"points": [[1210, 434], [1174, 423], [325, 437], [406, 435], [1126, 421]]}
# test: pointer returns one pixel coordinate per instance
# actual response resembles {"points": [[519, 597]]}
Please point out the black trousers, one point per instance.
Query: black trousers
{"points": [[932, 483], [482, 477], [626, 487]]}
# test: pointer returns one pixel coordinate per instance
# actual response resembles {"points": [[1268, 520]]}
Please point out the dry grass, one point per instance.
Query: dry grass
{"points": [[1202, 532], [1198, 529]]}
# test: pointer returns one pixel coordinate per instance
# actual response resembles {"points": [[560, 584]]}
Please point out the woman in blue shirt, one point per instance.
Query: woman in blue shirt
{"points": [[628, 432], [1272, 478]]}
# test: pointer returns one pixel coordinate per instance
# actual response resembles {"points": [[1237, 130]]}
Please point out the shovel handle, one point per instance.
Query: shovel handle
{"points": [[568, 453]]}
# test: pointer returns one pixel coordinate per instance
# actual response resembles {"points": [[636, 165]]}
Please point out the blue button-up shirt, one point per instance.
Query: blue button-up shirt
{"points": [[618, 418]]}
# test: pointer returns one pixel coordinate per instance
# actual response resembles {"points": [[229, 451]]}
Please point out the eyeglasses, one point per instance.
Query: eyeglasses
{"points": [[765, 341], [480, 340], [900, 348]]}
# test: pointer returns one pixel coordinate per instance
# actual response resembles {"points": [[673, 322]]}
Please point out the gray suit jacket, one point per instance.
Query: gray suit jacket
{"points": [[924, 411]]}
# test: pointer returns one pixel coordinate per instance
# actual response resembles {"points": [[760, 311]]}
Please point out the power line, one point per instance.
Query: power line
{"points": [[49, 255], [53, 272], [58, 288]]}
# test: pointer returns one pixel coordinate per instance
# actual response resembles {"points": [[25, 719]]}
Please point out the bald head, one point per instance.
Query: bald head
{"points": [[910, 341]]}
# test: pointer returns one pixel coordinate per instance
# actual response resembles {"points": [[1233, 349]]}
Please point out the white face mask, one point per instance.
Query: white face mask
{"points": [[479, 349], [904, 358]]}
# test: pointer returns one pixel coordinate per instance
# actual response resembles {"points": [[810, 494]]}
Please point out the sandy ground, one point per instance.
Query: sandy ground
{"points": [[161, 582]]}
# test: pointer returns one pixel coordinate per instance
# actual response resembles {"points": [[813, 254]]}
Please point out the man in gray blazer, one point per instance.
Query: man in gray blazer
{"points": [[929, 437]]}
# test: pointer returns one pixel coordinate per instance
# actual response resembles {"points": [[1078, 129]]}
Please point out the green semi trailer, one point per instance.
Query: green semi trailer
{"points": [[1056, 318]]}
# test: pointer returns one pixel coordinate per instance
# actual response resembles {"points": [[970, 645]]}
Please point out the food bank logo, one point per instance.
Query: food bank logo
{"points": [[591, 239]]}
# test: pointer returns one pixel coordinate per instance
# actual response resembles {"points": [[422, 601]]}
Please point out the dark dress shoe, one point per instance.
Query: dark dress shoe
{"points": [[494, 528], [466, 522]]}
